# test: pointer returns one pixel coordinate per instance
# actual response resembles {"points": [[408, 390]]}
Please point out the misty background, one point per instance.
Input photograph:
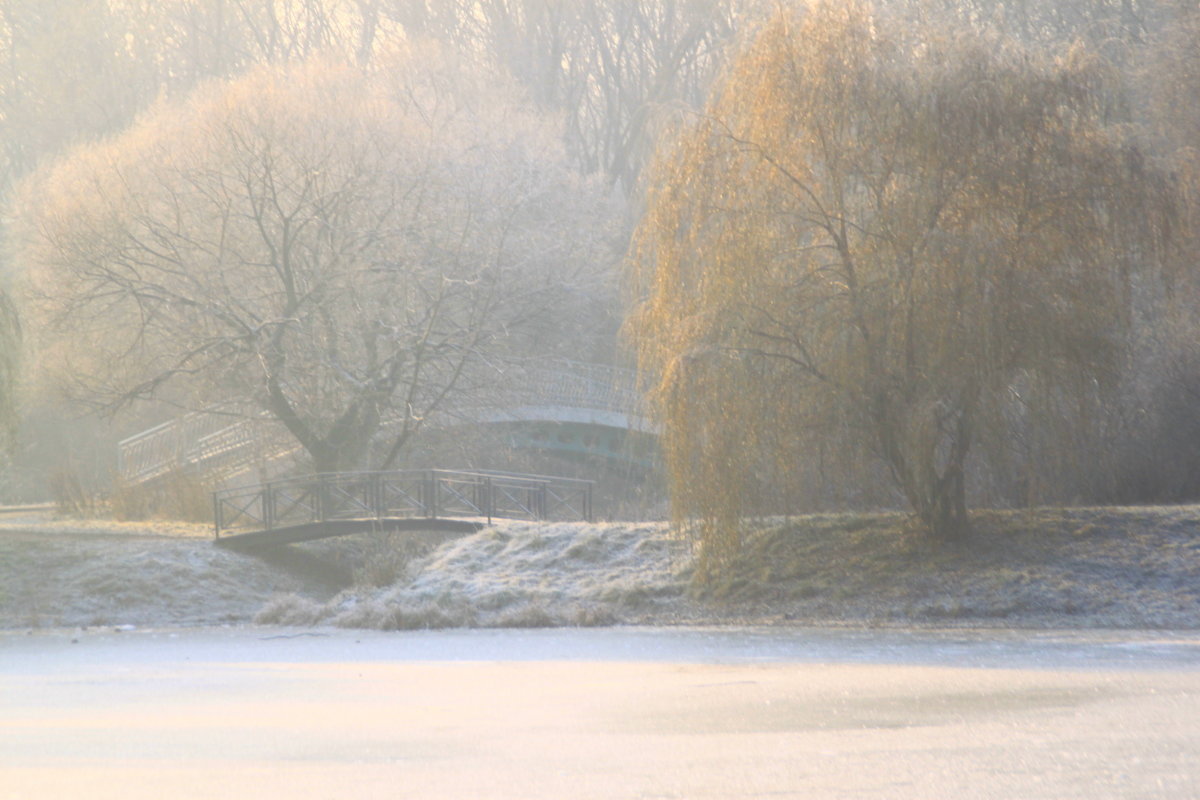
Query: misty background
{"points": [[485, 162]]}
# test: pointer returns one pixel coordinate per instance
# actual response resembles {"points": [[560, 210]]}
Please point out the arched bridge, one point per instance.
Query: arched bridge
{"points": [[573, 395], [336, 504]]}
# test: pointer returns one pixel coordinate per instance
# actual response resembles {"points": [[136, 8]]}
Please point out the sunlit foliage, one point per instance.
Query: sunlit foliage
{"points": [[885, 234]]}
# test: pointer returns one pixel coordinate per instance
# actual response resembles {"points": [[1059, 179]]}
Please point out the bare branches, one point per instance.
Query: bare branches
{"points": [[339, 265]]}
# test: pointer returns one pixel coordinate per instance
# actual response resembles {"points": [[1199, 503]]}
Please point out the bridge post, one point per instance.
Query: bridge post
{"points": [[216, 516], [375, 488], [431, 494], [268, 505], [321, 502], [488, 498]]}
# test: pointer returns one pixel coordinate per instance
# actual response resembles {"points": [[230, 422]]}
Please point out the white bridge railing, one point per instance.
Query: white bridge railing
{"points": [[193, 439], [210, 442]]}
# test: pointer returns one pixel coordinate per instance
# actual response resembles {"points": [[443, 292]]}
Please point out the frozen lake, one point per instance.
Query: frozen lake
{"points": [[599, 713], [48, 652]]}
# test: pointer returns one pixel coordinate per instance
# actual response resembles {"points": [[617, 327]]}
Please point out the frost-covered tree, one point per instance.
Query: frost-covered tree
{"points": [[610, 67], [888, 233], [338, 249], [63, 77]]}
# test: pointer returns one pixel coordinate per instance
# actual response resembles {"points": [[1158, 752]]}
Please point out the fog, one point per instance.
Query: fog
{"points": [[342, 216], [899, 279]]}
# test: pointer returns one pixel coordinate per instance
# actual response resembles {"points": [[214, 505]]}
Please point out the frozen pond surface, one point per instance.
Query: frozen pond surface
{"points": [[1143, 650], [598, 713]]}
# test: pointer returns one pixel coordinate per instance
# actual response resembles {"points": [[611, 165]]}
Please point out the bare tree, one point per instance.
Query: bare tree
{"points": [[1058, 21], [610, 66], [81, 68], [335, 248], [186, 41], [887, 233]]}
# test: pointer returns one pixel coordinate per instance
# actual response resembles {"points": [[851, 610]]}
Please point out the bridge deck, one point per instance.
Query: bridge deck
{"points": [[338, 504]]}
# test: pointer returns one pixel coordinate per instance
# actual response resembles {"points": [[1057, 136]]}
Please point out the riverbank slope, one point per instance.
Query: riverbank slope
{"points": [[1045, 568]]}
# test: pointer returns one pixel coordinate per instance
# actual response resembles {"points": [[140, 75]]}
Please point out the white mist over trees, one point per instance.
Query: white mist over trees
{"points": [[76, 71], [336, 248], [1089, 375], [611, 67], [81, 68]]}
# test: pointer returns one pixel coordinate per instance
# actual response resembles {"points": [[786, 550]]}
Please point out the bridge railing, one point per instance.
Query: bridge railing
{"points": [[209, 441], [564, 382], [158, 450], [400, 494]]}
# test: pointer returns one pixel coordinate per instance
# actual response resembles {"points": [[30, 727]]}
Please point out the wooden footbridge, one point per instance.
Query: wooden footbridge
{"points": [[335, 504]]}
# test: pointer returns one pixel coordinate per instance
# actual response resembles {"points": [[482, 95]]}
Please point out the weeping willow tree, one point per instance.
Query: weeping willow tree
{"points": [[885, 235]]}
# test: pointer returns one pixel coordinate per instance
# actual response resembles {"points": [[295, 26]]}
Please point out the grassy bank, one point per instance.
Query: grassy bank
{"points": [[1095, 566], [1107, 567]]}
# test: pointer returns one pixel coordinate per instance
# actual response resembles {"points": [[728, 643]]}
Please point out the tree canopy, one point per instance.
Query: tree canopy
{"points": [[336, 248], [887, 233]]}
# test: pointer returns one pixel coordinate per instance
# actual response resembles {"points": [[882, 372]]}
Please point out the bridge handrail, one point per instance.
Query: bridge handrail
{"points": [[157, 449], [577, 384], [208, 437], [524, 476], [426, 494]]}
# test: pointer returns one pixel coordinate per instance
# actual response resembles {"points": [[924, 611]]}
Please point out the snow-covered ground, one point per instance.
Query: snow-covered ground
{"points": [[516, 575], [88, 580], [519, 574], [1042, 568]]}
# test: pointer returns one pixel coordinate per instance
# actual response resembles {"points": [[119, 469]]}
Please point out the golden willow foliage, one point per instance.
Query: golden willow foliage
{"points": [[883, 235]]}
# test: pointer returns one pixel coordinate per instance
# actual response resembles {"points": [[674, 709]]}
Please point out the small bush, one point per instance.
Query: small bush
{"points": [[384, 557], [526, 615], [72, 498], [290, 609], [177, 495]]}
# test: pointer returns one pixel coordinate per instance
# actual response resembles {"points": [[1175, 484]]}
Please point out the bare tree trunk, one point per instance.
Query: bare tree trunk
{"points": [[940, 496], [945, 511]]}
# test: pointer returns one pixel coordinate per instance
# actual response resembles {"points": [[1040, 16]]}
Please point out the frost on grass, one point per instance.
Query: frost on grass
{"points": [[515, 575], [51, 581], [36, 523], [1039, 568]]}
